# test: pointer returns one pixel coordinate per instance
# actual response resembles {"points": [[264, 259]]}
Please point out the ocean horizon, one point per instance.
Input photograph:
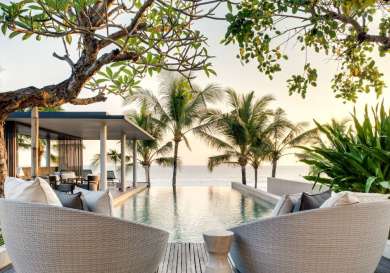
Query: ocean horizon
{"points": [[198, 175]]}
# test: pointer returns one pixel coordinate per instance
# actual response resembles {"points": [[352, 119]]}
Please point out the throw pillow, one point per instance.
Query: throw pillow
{"points": [[314, 201], [14, 186], [38, 192], [286, 204], [341, 199], [73, 201], [98, 201]]}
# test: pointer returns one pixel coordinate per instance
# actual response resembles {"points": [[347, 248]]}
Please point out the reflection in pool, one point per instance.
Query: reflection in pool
{"points": [[190, 211]]}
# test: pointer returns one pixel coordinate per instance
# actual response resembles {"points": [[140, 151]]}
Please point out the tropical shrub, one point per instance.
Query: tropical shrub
{"points": [[354, 158]]}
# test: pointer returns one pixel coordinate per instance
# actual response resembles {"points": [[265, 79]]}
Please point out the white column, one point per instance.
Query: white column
{"points": [[34, 141], [134, 163], [103, 157], [48, 152], [123, 162]]}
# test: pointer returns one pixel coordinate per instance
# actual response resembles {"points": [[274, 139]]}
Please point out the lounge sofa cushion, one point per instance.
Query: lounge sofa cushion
{"points": [[97, 201], [38, 191], [73, 201], [286, 204], [14, 185], [344, 198], [312, 201]]}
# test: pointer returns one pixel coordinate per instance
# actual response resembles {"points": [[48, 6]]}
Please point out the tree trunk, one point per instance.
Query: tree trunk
{"points": [[243, 174], [3, 157], [274, 166], [255, 169], [147, 174], [175, 153]]}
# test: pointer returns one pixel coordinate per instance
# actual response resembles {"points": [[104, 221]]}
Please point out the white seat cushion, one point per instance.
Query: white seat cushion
{"points": [[98, 201], [38, 191]]}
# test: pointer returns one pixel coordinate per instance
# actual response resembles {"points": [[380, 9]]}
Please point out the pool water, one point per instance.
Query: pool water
{"points": [[190, 211]]}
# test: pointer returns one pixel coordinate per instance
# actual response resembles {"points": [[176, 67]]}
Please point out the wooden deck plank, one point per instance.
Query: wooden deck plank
{"points": [[192, 258]]}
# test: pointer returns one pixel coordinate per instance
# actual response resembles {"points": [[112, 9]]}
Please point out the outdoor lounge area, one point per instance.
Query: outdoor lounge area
{"points": [[66, 131], [312, 241]]}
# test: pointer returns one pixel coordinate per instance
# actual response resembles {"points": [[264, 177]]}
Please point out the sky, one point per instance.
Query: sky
{"points": [[30, 63]]}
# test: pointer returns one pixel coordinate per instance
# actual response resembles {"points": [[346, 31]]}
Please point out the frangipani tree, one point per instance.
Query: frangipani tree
{"points": [[118, 43], [351, 33]]}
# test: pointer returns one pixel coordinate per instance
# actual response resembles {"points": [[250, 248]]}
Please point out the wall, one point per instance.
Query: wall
{"points": [[280, 186], [256, 193]]}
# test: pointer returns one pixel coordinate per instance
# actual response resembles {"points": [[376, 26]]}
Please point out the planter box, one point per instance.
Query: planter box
{"points": [[4, 258], [386, 254]]}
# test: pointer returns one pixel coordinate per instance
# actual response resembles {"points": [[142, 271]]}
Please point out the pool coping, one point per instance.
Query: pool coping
{"points": [[256, 193], [120, 197]]}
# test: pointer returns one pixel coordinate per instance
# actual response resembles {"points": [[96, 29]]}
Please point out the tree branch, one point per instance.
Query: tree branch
{"points": [[65, 58], [130, 29], [85, 101]]}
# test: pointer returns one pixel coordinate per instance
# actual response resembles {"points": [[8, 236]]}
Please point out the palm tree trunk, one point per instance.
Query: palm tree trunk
{"points": [[243, 174], [175, 153], [255, 169], [274, 165], [147, 174]]}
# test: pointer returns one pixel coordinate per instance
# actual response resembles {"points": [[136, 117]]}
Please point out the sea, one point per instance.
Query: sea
{"points": [[221, 176]]}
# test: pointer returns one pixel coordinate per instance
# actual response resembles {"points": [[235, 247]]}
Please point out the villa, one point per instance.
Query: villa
{"points": [[68, 130], [196, 136], [251, 246]]}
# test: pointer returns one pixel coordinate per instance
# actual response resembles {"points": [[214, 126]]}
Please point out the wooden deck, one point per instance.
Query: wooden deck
{"points": [[192, 258]]}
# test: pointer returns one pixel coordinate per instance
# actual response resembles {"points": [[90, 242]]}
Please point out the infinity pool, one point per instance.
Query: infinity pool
{"points": [[192, 210]]}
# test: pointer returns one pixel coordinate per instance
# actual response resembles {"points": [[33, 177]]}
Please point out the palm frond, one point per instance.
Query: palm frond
{"points": [[218, 160]]}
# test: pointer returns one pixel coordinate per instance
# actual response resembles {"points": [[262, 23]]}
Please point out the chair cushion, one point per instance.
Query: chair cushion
{"points": [[98, 201], [73, 201], [314, 201], [286, 204], [341, 199], [37, 192], [14, 185]]}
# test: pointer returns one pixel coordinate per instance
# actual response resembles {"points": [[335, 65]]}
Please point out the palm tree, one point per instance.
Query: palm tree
{"points": [[113, 156], [285, 135], [151, 150], [241, 130], [179, 105], [259, 152]]}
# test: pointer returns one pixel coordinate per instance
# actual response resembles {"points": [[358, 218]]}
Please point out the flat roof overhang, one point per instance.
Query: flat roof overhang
{"points": [[84, 125]]}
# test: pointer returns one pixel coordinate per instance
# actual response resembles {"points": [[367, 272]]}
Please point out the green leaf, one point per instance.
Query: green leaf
{"points": [[369, 183], [68, 38], [14, 34], [385, 184]]}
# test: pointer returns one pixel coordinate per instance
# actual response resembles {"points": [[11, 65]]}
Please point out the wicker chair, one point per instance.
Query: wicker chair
{"points": [[348, 239], [48, 239]]}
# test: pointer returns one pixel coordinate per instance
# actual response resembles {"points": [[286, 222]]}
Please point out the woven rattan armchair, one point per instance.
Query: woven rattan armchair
{"points": [[48, 239], [348, 239]]}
